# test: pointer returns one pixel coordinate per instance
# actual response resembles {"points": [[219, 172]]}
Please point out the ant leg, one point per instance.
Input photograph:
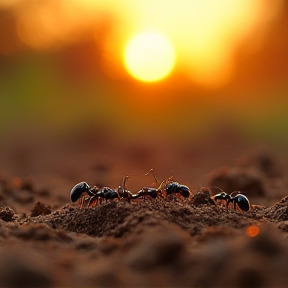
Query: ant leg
{"points": [[85, 202], [81, 202], [228, 202], [91, 200], [234, 205]]}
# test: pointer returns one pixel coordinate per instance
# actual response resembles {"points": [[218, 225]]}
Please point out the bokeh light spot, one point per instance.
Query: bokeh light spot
{"points": [[149, 56], [252, 231]]}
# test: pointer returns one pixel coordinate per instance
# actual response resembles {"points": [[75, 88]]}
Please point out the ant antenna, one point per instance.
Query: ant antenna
{"points": [[170, 177], [155, 178], [161, 185], [125, 178], [219, 188]]}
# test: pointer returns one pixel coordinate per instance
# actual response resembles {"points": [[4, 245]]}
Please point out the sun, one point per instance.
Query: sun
{"points": [[149, 56]]}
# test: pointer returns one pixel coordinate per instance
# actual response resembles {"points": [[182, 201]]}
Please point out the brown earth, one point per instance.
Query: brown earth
{"points": [[173, 242]]}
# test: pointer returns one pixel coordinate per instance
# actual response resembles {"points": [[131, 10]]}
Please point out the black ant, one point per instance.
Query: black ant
{"points": [[104, 193], [146, 191], [168, 186], [82, 189], [235, 197], [109, 194], [84, 193], [176, 188]]}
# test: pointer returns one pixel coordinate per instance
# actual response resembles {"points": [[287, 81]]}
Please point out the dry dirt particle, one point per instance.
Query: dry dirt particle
{"points": [[6, 214]]}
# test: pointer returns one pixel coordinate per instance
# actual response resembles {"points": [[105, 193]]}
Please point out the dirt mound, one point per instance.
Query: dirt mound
{"points": [[21, 194], [162, 242], [279, 211], [120, 217]]}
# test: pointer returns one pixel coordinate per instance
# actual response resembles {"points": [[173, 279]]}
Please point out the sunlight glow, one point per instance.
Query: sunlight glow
{"points": [[149, 57], [206, 35]]}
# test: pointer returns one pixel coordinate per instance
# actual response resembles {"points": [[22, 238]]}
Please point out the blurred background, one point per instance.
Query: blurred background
{"points": [[88, 85]]}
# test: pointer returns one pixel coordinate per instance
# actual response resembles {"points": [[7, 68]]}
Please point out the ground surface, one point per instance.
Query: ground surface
{"points": [[45, 241]]}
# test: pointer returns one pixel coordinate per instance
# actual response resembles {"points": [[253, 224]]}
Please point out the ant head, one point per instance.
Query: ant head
{"points": [[221, 196], [172, 187]]}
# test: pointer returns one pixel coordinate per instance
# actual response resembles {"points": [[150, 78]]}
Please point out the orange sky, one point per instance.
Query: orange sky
{"points": [[204, 33], [230, 63]]}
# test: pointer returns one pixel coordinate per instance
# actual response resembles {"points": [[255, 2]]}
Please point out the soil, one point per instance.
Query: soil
{"points": [[46, 241]]}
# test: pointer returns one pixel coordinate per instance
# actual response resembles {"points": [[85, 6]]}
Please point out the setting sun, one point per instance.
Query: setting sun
{"points": [[149, 57]]}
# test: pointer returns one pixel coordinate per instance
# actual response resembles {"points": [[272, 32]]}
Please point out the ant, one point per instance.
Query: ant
{"points": [[105, 193], [82, 189], [168, 186], [176, 188], [109, 194], [235, 197], [146, 191]]}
